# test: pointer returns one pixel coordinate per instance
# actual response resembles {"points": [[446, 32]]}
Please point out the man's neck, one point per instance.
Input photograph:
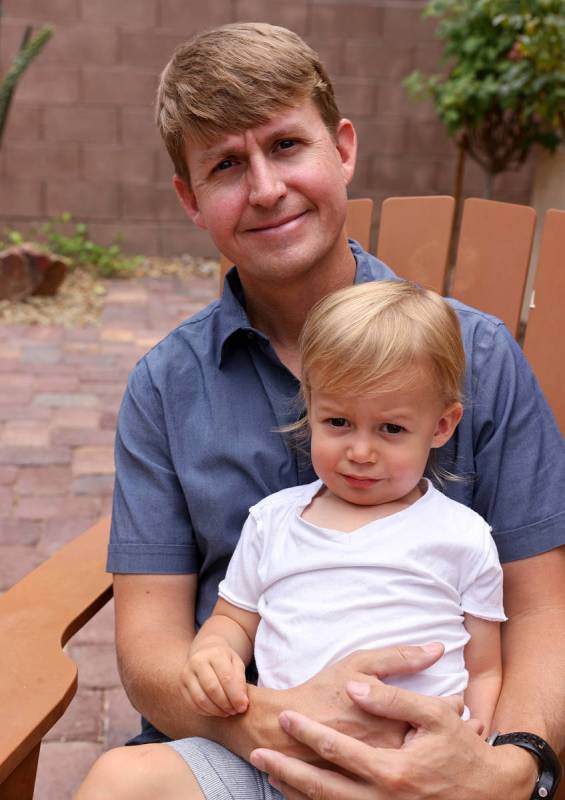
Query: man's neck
{"points": [[279, 310]]}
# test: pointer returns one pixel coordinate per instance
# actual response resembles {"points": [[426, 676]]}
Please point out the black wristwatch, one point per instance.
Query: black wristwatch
{"points": [[551, 770]]}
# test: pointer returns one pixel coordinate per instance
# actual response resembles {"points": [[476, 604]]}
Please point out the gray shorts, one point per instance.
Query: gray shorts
{"points": [[221, 774]]}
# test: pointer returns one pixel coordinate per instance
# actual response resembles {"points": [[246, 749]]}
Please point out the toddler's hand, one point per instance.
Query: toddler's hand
{"points": [[215, 678]]}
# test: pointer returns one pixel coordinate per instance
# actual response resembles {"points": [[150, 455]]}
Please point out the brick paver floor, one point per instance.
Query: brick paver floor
{"points": [[60, 390]]}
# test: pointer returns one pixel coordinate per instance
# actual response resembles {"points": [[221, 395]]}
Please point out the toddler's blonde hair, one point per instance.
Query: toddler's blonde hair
{"points": [[382, 336]]}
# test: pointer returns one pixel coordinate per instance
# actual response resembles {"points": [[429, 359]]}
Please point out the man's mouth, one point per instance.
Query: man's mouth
{"points": [[278, 224]]}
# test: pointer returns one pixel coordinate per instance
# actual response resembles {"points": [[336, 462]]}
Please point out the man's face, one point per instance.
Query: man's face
{"points": [[273, 197]]}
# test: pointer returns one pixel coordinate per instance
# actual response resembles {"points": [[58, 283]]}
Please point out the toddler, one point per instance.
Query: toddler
{"points": [[371, 554]]}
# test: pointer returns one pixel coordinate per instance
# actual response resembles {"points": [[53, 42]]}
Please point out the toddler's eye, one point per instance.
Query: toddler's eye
{"points": [[286, 144], [337, 422], [390, 427]]}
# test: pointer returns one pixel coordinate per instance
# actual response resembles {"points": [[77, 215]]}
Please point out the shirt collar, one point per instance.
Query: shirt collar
{"points": [[234, 322]]}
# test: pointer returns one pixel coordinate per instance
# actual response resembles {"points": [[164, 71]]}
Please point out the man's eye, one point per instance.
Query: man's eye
{"points": [[286, 144], [337, 422], [390, 427], [226, 163]]}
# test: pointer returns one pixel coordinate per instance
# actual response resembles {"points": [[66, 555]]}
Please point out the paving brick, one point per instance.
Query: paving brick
{"points": [[83, 44], [63, 11], [41, 354], [76, 418], [58, 531], [78, 437], [17, 381], [63, 767], [81, 124], [126, 13], [97, 665], [73, 400], [49, 480], [293, 15], [19, 532], [82, 721], [123, 720], [48, 383], [6, 502], [17, 560], [24, 412], [34, 455], [20, 198], [40, 508], [193, 17], [93, 461], [82, 199], [99, 630], [350, 19], [21, 433], [8, 475], [98, 485], [119, 85], [108, 420]]}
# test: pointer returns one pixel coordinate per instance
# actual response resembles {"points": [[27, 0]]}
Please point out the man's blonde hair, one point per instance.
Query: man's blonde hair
{"points": [[382, 336], [237, 77]]}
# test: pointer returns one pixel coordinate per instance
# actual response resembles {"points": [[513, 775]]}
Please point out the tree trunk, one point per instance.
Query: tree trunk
{"points": [[489, 179]]}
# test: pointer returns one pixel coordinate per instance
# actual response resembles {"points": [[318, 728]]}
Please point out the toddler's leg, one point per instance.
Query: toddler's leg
{"points": [[144, 772]]}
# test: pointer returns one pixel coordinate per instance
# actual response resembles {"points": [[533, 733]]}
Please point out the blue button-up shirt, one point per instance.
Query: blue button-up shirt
{"points": [[198, 442]]}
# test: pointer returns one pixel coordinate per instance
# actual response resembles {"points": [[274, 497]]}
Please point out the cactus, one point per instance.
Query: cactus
{"points": [[30, 47]]}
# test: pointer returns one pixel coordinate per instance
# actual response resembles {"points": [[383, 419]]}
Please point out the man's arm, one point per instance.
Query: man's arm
{"points": [[533, 648], [154, 629]]}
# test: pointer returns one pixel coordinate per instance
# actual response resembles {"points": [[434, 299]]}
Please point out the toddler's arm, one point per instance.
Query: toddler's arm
{"points": [[214, 673], [483, 661]]}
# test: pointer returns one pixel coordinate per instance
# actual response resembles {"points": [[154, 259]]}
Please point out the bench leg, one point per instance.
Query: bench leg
{"points": [[20, 784]]}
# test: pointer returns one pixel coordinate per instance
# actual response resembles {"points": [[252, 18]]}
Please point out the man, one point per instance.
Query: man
{"points": [[262, 161]]}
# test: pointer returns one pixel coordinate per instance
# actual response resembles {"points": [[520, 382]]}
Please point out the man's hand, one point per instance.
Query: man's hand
{"points": [[323, 698], [214, 676], [444, 759]]}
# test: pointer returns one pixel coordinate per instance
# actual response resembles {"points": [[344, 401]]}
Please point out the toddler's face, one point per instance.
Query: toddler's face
{"points": [[373, 449]]}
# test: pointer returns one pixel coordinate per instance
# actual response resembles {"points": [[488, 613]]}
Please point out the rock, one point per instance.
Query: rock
{"points": [[26, 270], [19, 277]]}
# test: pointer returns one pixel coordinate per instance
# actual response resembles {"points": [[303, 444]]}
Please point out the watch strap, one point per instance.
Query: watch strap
{"points": [[551, 770]]}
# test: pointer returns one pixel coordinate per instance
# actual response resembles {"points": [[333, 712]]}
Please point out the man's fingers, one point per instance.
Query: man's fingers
{"points": [[295, 779], [329, 744], [397, 660], [391, 702]]}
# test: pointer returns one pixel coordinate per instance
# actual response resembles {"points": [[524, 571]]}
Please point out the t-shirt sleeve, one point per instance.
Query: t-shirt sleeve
{"points": [[242, 585], [481, 578], [151, 529], [519, 452]]}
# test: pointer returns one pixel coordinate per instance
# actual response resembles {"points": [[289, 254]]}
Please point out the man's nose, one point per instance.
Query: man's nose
{"points": [[266, 187]]}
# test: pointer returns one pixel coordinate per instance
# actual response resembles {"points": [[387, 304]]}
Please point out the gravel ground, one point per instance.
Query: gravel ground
{"points": [[80, 299]]}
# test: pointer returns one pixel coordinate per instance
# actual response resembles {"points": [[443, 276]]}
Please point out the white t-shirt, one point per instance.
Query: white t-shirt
{"points": [[403, 579]]}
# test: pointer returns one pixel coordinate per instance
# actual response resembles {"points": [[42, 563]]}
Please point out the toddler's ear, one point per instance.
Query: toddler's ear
{"points": [[446, 424]]}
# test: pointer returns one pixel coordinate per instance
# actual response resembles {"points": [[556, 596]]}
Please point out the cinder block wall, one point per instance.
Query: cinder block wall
{"points": [[81, 137]]}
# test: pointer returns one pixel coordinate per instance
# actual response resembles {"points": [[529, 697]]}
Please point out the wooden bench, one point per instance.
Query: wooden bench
{"points": [[41, 612]]}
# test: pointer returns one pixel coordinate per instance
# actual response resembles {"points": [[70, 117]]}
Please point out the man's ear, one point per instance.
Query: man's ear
{"points": [[446, 424], [188, 201], [346, 144]]}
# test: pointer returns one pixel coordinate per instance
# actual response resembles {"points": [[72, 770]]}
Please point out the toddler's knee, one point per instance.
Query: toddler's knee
{"points": [[127, 773]]}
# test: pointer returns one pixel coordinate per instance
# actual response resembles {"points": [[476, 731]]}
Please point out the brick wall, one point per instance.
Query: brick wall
{"points": [[81, 137]]}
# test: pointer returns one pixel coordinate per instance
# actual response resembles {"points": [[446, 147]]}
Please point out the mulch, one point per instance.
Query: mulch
{"points": [[80, 299]]}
